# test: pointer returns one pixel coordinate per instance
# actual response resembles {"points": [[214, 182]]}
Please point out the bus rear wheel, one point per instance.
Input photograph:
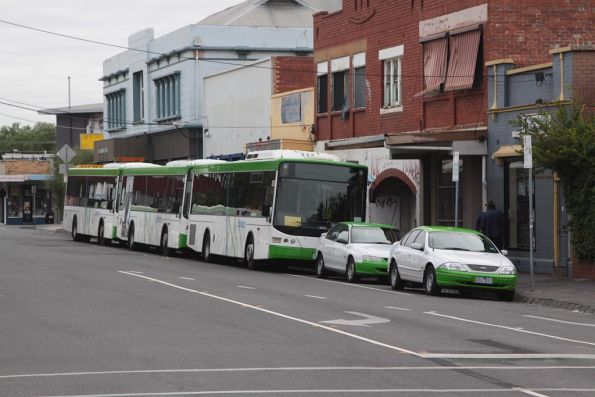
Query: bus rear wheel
{"points": [[131, 244], [101, 240]]}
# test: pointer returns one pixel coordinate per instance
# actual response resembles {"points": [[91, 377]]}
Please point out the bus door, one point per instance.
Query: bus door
{"points": [[126, 202]]}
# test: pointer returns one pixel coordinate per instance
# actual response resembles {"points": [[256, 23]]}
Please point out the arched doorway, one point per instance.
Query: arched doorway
{"points": [[392, 200]]}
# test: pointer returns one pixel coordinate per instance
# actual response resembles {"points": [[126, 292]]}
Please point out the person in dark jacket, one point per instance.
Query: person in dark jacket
{"points": [[492, 223]]}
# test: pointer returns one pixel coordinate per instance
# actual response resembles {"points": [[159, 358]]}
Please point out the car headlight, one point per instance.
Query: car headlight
{"points": [[373, 258], [508, 270], [453, 266]]}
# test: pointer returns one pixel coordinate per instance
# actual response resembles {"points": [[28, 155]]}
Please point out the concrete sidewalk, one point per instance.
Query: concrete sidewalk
{"points": [[557, 292]]}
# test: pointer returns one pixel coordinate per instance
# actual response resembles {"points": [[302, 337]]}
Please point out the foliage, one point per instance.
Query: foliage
{"points": [[57, 185], [27, 139], [564, 141]]}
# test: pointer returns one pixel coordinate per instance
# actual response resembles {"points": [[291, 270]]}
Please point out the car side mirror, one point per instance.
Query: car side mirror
{"points": [[504, 252], [416, 246], [323, 235]]}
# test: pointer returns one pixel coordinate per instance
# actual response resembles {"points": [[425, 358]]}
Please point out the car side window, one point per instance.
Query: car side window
{"points": [[421, 239], [411, 238], [333, 233]]}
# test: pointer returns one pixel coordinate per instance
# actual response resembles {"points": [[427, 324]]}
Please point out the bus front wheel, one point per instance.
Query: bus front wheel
{"points": [[206, 247], [131, 244], [164, 242], [249, 254]]}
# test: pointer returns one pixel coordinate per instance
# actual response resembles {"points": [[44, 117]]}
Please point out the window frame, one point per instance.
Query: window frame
{"points": [[167, 97]]}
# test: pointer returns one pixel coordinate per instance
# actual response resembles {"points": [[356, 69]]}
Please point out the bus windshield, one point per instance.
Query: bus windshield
{"points": [[312, 197]]}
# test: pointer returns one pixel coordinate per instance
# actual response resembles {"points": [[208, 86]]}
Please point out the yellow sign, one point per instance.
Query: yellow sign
{"points": [[88, 140], [293, 221]]}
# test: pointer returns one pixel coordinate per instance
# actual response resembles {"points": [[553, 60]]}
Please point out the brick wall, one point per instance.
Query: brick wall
{"points": [[521, 30], [581, 269], [26, 167], [583, 72], [293, 73]]}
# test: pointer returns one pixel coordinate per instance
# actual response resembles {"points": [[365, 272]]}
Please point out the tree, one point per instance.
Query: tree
{"points": [[564, 142], [27, 139]]}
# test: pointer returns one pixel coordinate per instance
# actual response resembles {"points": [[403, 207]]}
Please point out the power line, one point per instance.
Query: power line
{"points": [[243, 65]]}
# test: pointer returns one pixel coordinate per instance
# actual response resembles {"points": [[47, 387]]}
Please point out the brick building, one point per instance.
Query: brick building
{"points": [[24, 196], [402, 85]]}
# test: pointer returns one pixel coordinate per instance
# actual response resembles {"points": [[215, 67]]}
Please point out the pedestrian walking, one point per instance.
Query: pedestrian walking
{"points": [[491, 223]]}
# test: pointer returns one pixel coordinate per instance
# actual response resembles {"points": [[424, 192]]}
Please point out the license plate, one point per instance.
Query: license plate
{"points": [[484, 280]]}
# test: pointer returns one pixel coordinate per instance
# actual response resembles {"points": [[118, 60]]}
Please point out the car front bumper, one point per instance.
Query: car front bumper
{"points": [[371, 268], [457, 279]]}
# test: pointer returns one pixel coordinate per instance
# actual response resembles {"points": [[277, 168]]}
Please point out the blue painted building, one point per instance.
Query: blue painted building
{"points": [[528, 92]]}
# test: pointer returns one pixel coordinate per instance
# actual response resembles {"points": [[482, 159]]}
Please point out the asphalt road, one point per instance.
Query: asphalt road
{"points": [[77, 319]]}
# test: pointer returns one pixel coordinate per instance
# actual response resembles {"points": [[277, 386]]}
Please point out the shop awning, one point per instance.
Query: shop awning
{"points": [[507, 151]]}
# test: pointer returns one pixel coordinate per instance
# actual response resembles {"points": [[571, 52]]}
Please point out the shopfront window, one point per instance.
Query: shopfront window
{"points": [[14, 202], [517, 204]]}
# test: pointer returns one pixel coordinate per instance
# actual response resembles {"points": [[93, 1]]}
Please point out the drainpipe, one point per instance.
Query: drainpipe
{"points": [[556, 221], [484, 183]]}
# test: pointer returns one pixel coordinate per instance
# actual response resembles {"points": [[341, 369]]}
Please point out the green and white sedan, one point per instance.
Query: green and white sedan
{"points": [[453, 258], [355, 249]]}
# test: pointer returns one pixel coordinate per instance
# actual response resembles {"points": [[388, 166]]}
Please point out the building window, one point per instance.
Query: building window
{"points": [[167, 97], [116, 110], [452, 62], [322, 87], [516, 180], [359, 80], [392, 83], [291, 109], [340, 84], [138, 100]]}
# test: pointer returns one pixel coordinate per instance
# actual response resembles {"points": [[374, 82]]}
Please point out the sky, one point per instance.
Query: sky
{"points": [[34, 66]]}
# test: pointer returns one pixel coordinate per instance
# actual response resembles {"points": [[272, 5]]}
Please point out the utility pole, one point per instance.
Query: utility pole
{"points": [[528, 164]]}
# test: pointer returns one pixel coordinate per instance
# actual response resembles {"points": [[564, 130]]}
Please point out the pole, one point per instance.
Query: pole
{"points": [[531, 225], [457, 203]]}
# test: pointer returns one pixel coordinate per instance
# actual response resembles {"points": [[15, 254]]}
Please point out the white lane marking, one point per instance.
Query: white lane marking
{"points": [[186, 278], [315, 297], [511, 356], [559, 321], [511, 329], [299, 320], [531, 393], [397, 308], [351, 285], [244, 287], [281, 369], [134, 271], [366, 321], [322, 391], [302, 369]]}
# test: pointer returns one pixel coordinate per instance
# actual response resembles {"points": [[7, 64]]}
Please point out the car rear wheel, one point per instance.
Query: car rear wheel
{"points": [[430, 285], [320, 270], [396, 282]]}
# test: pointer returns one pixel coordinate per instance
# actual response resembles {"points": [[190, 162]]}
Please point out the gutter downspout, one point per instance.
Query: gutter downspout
{"points": [[556, 221]]}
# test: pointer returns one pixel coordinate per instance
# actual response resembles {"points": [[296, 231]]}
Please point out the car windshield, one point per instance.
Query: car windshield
{"points": [[373, 235], [458, 241]]}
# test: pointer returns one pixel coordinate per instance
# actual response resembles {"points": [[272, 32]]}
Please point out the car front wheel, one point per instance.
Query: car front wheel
{"points": [[320, 270], [430, 285], [350, 272]]}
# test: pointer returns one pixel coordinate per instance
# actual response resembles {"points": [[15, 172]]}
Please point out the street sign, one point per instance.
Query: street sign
{"points": [[66, 154], [455, 166], [528, 152]]}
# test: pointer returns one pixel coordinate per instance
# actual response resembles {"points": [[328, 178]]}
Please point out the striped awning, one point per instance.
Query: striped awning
{"points": [[435, 65], [508, 151], [464, 48]]}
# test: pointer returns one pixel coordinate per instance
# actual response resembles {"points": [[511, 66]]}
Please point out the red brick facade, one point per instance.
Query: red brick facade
{"points": [[583, 70], [521, 30], [292, 73]]}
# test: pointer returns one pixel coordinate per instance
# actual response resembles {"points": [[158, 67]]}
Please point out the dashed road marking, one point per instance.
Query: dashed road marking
{"points": [[315, 297], [244, 287], [397, 308], [186, 278]]}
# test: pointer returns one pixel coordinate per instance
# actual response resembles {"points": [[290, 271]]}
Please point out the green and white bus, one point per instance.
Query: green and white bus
{"points": [[274, 205], [89, 203]]}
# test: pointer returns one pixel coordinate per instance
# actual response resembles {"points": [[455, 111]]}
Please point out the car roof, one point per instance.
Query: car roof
{"points": [[369, 224], [448, 229]]}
